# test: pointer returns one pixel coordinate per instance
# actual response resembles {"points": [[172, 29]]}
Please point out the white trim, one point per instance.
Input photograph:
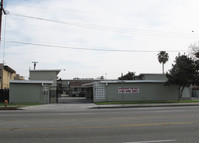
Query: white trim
{"points": [[32, 81], [133, 81]]}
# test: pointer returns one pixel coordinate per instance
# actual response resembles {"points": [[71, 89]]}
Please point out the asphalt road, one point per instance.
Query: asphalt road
{"points": [[134, 125]]}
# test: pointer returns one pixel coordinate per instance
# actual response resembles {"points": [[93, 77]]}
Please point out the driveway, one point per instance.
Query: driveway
{"points": [[70, 107]]}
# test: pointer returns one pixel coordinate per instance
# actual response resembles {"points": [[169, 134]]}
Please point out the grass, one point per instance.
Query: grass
{"points": [[18, 105], [146, 102]]}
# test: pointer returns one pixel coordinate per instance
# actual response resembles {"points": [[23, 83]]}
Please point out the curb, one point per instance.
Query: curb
{"points": [[9, 108]]}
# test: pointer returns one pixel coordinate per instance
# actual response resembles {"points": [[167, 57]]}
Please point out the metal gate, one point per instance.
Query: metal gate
{"points": [[4, 95]]}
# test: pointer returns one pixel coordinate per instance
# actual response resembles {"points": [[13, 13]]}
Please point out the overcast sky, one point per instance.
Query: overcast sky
{"points": [[93, 38]]}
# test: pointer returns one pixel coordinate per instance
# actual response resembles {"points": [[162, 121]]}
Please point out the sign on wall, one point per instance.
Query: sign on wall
{"points": [[128, 90]]}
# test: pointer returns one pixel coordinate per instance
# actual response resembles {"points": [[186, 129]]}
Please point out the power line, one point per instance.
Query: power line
{"points": [[138, 32], [87, 49]]}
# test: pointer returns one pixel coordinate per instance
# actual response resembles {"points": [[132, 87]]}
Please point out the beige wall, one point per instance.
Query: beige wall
{"points": [[7, 76]]}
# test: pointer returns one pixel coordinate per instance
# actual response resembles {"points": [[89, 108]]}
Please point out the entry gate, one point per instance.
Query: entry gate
{"points": [[4, 95]]}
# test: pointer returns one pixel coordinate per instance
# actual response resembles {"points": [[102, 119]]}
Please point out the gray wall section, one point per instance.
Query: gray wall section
{"points": [[27, 93], [153, 76], [44, 75], [147, 91]]}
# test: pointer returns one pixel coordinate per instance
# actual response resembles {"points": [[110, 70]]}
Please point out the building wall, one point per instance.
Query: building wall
{"points": [[187, 93], [1, 76], [99, 92], [47, 75], [27, 93], [153, 77], [7, 76], [18, 77], [147, 91], [44, 75]]}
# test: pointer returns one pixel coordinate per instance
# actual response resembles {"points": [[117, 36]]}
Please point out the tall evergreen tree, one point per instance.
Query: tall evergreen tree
{"points": [[183, 73]]}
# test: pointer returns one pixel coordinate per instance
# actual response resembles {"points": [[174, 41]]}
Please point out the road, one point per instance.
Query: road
{"points": [[134, 125]]}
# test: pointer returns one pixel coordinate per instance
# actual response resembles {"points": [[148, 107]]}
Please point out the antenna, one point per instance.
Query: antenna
{"points": [[35, 63]]}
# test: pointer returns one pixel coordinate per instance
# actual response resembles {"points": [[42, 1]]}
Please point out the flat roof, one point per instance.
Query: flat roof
{"points": [[125, 81], [152, 74], [32, 81], [133, 81]]}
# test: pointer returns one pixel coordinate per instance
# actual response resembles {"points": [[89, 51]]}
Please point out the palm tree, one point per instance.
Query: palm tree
{"points": [[163, 57]]}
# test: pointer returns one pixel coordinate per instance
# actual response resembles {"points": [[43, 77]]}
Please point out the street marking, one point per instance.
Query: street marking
{"points": [[155, 141], [98, 127]]}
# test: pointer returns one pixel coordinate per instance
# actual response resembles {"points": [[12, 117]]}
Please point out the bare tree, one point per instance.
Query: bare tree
{"points": [[194, 51]]}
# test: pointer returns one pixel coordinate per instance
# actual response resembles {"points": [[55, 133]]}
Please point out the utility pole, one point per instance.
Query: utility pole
{"points": [[35, 63], [122, 90], [1, 14]]}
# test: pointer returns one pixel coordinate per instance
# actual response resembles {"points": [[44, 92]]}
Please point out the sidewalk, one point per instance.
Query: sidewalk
{"points": [[142, 105], [60, 107], [90, 106]]}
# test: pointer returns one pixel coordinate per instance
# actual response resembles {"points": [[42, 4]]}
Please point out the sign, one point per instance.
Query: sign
{"points": [[128, 90], [45, 89]]}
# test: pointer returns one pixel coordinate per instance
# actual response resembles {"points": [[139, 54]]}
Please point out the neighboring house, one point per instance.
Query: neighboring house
{"points": [[18, 77], [49, 75], [7, 74], [27, 91]]}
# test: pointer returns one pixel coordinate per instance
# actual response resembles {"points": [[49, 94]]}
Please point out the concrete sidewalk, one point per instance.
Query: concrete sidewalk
{"points": [[90, 106], [143, 105], [60, 107]]}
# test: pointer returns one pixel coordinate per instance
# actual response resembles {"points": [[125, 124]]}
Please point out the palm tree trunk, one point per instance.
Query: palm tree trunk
{"points": [[163, 68]]}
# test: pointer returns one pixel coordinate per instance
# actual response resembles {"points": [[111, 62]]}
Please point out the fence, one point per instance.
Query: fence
{"points": [[4, 95]]}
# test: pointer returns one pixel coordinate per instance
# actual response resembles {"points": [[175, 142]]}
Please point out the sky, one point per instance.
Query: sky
{"points": [[94, 38]]}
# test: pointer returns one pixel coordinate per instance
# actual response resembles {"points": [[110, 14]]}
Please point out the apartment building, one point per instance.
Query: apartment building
{"points": [[7, 74]]}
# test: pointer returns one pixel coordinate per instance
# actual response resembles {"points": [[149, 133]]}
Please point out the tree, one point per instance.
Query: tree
{"points": [[183, 73], [194, 51], [163, 57], [128, 76]]}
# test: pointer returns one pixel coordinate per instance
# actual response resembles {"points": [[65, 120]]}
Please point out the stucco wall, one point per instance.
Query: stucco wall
{"points": [[44, 75], [154, 77], [147, 91], [7, 76], [27, 93]]}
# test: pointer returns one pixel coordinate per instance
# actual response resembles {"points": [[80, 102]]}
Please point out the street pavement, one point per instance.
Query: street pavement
{"points": [[77, 123]]}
